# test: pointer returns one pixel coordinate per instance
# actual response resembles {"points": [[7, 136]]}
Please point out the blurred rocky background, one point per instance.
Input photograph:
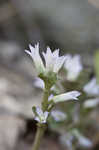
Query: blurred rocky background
{"points": [[71, 25]]}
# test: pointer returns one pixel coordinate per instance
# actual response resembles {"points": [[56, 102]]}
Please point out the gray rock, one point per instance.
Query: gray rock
{"points": [[9, 52], [10, 129], [71, 23], [17, 94]]}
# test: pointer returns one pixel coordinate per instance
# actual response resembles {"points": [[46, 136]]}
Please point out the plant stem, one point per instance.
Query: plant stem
{"points": [[45, 99], [38, 137], [41, 127]]}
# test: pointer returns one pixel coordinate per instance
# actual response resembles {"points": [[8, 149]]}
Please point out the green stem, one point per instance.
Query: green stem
{"points": [[41, 127], [38, 137], [45, 99]]}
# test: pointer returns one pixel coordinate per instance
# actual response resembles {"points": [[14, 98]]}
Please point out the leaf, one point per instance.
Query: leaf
{"points": [[34, 110]]}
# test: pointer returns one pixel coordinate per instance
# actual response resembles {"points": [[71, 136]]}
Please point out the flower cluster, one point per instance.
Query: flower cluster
{"points": [[39, 115], [53, 62], [47, 71]]}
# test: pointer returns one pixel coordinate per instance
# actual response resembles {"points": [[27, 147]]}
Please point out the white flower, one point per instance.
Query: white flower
{"points": [[66, 96], [73, 66], [92, 88], [41, 116], [83, 141], [67, 140], [90, 103], [58, 115], [53, 62], [39, 83], [50, 97], [34, 53]]}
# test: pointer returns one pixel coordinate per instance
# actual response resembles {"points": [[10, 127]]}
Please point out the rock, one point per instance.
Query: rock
{"points": [[73, 24], [17, 94], [9, 52], [10, 128], [94, 3]]}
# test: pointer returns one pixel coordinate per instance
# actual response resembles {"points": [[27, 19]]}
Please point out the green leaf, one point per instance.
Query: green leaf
{"points": [[34, 110]]}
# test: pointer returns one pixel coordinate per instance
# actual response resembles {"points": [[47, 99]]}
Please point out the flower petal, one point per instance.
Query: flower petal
{"points": [[28, 52], [72, 71], [58, 115], [50, 97], [53, 61], [48, 56], [56, 53], [83, 141], [66, 96], [39, 111], [58, 64], [92, 88], [46, 114], [90, 103], [37, 119], [39, 83], [36, 58]]}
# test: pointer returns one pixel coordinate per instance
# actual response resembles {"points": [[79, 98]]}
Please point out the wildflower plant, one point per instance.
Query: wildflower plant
{"points": [[47, 69], [73, 130]]}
